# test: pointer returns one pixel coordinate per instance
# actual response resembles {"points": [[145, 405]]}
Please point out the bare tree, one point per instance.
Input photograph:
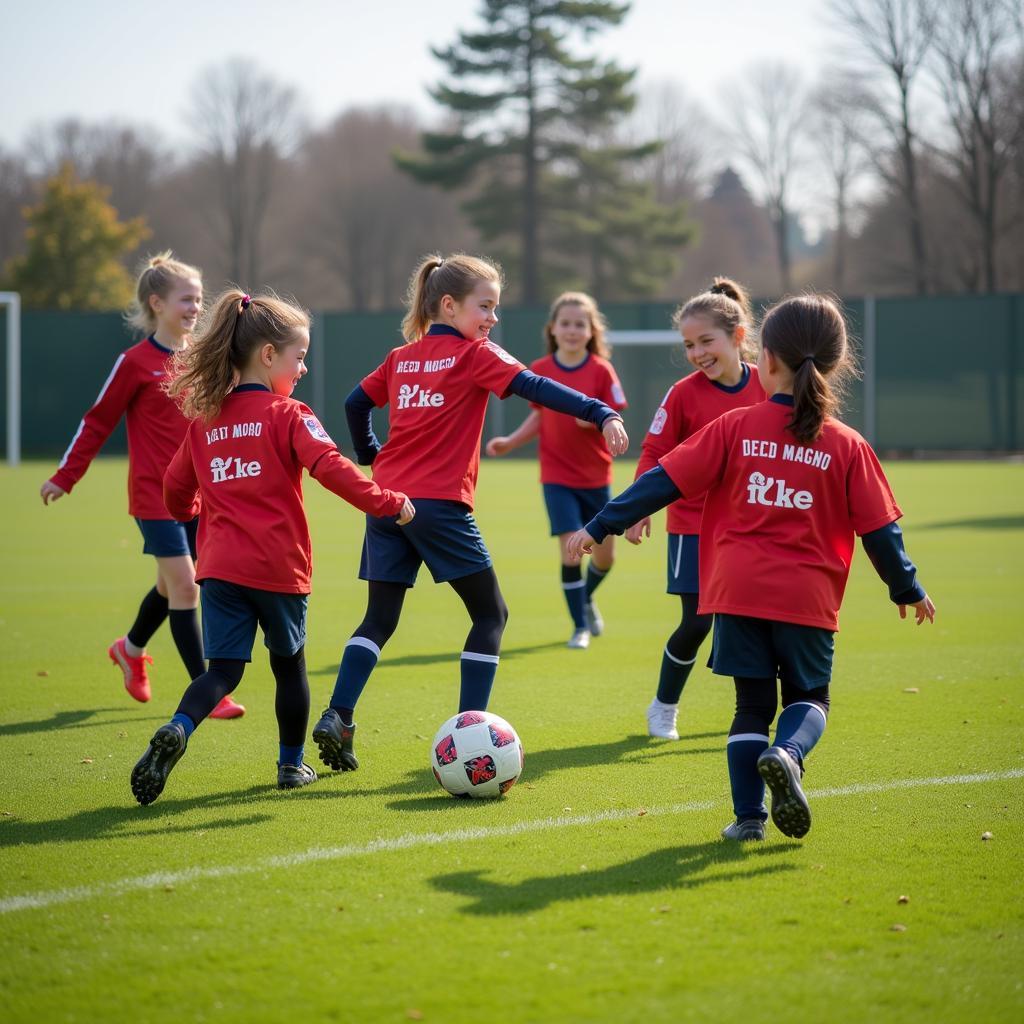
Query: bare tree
{"points": [[969, 39], [249, 124], [15, 195], [837, 119], [895, 35], [769, 109]]}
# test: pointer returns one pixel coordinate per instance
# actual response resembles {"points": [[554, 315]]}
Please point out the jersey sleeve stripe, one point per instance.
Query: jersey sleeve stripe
{"points": [[99, 398]]}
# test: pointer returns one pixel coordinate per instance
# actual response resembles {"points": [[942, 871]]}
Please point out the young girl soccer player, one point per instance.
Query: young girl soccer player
{"points": [[243, 455], [169, 295], [436, 388], [714, 328], [575, 464], [788, 487]]}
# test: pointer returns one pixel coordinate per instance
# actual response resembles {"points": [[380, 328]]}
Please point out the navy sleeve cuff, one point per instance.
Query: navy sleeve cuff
{"points": [[358, 412], [885, 549], [555, 396], [647, 494]]}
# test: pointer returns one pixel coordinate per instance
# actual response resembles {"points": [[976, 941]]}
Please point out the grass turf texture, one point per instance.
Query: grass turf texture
{"points": [[598, 889]]}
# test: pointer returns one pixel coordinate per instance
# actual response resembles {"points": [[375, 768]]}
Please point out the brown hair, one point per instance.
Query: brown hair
{"points": [[157, 276], [235, 327], [727, 305], [436, 277], [808, 334], [598, 342]]}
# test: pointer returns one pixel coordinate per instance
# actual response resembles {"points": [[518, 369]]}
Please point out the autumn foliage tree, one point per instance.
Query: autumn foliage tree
{"points": [[75, 248]]}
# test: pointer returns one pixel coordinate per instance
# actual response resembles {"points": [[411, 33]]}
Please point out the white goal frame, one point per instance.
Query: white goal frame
{"points": [[12, 301]]}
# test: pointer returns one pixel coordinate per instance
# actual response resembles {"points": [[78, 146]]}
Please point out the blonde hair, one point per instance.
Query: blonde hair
{"points": [[598, 342], [204, 373], [157, 276], [436, 277], [727, 305]]}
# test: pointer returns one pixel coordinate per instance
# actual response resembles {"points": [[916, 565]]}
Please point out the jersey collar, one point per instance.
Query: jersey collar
{"points": [[437, 329], [249, 387], [782, 399], [569, 369]]}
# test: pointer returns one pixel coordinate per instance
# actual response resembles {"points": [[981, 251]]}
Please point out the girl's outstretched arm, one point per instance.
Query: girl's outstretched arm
{"points": [[885, 549], [525, 432]]}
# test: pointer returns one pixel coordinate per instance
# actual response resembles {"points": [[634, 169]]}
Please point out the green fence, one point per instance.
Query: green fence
{"points": [[944, 373]]}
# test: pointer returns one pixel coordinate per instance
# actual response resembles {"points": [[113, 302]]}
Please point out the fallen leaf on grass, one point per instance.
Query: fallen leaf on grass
{"points": [[903, 899], [986, 836], [898, 928], [911, 689], [86, 760], [42, 672]]}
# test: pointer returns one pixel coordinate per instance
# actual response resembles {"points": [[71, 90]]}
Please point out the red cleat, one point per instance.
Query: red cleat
{"points": [[136, 680], [228, 708]]}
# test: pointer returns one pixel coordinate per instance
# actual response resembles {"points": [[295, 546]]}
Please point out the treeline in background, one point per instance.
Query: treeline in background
{"points": [[900, 171]]}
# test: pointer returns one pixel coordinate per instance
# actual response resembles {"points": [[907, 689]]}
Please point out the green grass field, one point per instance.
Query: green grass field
{"points": [[598, 889]]}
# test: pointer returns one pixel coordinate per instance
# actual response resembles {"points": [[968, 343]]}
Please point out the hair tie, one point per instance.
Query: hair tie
{"points": [[807, 359], [717, 289], [246, 301]]}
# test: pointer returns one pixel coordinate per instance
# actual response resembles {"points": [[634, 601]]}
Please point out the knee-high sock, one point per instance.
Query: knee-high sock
{"points": [[575, 594], [150, 617], [680, 654], [756, 703], [188, 639], [206, 691], [800, 726], [477, 672], [595, 577], [357, 663], [479, 662]]}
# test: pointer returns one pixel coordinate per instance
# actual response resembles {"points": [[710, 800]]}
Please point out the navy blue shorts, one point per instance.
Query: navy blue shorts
{"points": [[571, 508], [231, 613], [766, 649], [443, 535], [166, 538], [683, 563]]}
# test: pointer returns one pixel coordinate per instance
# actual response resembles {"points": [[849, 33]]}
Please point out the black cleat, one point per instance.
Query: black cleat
{"points": [[150, 773], [742, 831], [335, 742], [790, 811], [294, 776]]}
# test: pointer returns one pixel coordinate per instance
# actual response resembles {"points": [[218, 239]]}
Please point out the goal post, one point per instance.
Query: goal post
{"points": [[11, 302]]}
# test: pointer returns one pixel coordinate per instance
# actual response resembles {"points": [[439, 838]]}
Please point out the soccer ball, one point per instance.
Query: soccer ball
{"points": [[476, 754]]}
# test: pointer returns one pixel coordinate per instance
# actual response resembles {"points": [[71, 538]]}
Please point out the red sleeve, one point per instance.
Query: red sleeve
{"points": [[181, 486], [97, 424], [868, 495], [700, 461], [612, 393], [663, 434], [494, 368], [316, 451], [376, 384]]}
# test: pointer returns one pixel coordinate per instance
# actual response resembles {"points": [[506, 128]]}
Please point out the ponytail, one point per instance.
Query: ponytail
{"points": [[438, 276], [808, 334], [204, 373]]}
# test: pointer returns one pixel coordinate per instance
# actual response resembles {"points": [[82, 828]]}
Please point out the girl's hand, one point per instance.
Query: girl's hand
{"points": [[51, 492], [637, 531], [577, 544], [497, 446], [923, 609], [615, 435], [407, 512]]}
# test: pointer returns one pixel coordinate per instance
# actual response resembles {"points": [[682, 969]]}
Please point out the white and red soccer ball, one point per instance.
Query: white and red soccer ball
{"points": [[476, 754]]}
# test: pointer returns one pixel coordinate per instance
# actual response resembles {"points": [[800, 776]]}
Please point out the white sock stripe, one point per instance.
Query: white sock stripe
{"points": [[361, 641], [598, 572], [412, 840], [672, 657], [491, 659], [573, 586], [809, 704], [746, 737]]}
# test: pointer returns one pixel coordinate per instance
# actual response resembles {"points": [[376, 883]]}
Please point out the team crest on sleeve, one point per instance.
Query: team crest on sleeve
{"points": [[501, 353], [316, 430], [618, 395], [658, 423]]}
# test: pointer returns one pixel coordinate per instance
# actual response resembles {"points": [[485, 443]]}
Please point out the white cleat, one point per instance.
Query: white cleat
{"points": [[580, 640], [661, 720]]}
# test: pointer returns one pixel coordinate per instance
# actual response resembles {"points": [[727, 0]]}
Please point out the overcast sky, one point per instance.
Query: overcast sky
{"points": [[100, 59]]}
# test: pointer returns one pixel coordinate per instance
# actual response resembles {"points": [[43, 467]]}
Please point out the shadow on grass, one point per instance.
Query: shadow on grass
{"points": [[677, 867], [978, 523], [130, 821], [442, 658], [630, 750], [73, 720]]}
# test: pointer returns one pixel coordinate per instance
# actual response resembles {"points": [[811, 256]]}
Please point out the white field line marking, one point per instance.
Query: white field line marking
{"points": [[159, 879]]}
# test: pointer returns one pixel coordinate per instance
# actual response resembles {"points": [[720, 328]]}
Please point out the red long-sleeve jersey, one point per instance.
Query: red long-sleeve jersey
{"points": [[155, 428], [246, 468]]}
